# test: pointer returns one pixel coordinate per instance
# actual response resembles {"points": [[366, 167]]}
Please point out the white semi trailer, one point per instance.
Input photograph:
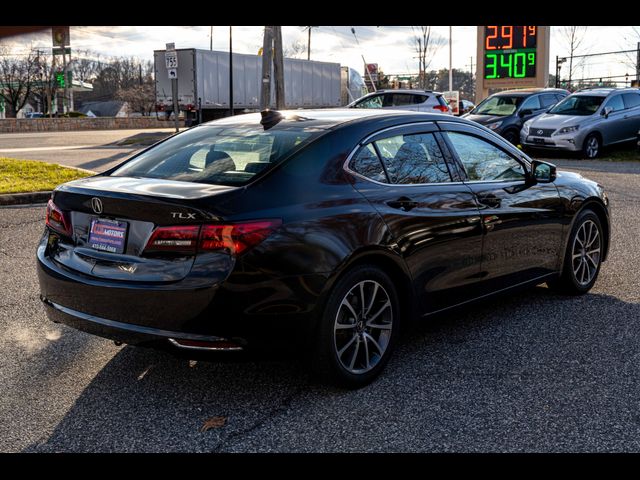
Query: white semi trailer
{"points": [[203, 83]]}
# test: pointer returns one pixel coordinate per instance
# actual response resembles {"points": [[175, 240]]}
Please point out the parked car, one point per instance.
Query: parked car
{"points": [[322, 230], [465, 106], [505, 112], [587, 121], [405, 99], [34, 115]]}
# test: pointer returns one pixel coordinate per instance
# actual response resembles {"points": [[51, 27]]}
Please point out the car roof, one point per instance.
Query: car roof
{"points": [[529, 91], [401, 90], [327, 118]]}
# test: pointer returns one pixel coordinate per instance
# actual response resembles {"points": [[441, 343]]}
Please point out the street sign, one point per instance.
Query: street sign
{"points": [[173, 73], [60, 36], [171, 59], [60, 50]]}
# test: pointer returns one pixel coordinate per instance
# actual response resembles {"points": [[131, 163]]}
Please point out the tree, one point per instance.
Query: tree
{"points": [[140, 98], [44, 88], [573, 37], [16, 82], [426, 44], [296, 49]]}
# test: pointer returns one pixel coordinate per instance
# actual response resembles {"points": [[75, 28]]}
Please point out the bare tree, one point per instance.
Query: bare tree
{"points": [[631, 40], [296, 49], [573, 37], [140, 98], [16, 82], [426, 44], [44, 88]]}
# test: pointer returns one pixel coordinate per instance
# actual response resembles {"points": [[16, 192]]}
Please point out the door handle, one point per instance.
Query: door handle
{"points": [[403, 203], [489, 200]]}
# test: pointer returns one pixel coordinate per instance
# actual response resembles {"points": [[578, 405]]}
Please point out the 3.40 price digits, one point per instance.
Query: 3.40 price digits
{"points": [[510, 65]]}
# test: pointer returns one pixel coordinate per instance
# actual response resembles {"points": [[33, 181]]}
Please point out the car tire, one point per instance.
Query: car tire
{"points": [[511, 136], [592, 146], [353, 344], [583, 256]]}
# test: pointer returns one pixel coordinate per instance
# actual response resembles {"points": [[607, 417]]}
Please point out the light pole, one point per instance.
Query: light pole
{"points": [[450, 61]]}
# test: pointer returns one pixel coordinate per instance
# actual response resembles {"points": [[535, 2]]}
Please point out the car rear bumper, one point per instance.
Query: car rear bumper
{"points": [[135, 334]]}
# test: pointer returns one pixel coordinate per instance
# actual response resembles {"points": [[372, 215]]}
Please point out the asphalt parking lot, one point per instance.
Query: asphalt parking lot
{"points": [[530, 371]]}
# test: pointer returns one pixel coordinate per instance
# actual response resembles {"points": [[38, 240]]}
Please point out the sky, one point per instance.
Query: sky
{"points": [[392, 47]]}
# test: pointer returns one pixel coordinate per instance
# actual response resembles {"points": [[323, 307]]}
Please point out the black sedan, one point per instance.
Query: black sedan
{"points": [[321, 229]]}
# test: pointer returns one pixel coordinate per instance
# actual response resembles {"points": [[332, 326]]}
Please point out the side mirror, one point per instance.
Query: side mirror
{"points": [[543, 172], [525, 112], [606, 111]]}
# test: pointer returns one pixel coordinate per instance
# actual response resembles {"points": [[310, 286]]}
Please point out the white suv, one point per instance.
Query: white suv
{"points": [[417, 100]]}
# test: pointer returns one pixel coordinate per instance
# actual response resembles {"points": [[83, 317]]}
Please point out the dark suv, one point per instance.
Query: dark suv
{"points": [[505, 112]]}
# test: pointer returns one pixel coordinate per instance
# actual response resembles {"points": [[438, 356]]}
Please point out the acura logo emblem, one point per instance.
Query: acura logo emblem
{"points": [[96, 204], [540, 132]]}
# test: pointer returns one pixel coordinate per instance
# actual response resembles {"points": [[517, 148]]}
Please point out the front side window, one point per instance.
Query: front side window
{"points": [[483, 161], [582, 105], [372, 102], [547, 100], [413, 159], [615, 103], [531, 103], [225, 155]]}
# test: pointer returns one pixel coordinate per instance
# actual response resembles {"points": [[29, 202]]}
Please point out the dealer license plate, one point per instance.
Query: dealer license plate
{"points": [[108, 235]]}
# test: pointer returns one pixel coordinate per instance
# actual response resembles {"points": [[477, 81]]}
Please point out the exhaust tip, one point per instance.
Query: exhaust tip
{"points": [[221, 345]]}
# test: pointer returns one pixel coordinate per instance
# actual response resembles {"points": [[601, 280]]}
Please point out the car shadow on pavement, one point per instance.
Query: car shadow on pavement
{"points": [[96, 165], [529, 371]]}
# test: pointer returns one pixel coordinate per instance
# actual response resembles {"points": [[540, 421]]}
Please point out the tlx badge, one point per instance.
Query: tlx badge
{"points": [[184, 216]]}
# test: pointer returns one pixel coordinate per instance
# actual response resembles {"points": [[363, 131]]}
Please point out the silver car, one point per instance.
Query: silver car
{"points": [[404, 99], [586, 121]]}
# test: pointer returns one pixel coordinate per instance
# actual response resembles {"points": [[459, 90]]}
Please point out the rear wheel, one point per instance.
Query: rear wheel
{"points": [[358, 329], [592, 146], [583, 256]]}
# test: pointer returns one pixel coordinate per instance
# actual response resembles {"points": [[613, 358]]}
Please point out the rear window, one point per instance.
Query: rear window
{"points": [[228, 155]]}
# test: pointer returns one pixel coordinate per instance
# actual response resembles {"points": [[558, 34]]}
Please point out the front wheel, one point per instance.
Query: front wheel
{"points": [[583, 256], [511, 136], [592, 146], [358, 329]]}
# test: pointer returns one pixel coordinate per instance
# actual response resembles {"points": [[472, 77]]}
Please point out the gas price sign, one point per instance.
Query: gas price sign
{"points": [[510, 51]]}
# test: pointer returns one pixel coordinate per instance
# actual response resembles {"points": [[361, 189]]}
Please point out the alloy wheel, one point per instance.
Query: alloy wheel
{"points": [[363, 326], [585, 254], [593, 145]]}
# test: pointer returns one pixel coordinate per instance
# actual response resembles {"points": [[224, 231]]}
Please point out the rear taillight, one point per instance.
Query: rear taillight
{"points": [[179, 239], [57, 219], [441, 108], [234, 238]]}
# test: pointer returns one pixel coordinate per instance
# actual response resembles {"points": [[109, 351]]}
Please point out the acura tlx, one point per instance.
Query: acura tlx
{"points": [[321, 229]]}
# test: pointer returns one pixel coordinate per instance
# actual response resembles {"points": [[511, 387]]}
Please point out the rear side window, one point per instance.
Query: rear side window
{"points": [[631, 100], [413, 159], [399, 99], [229, 155], [367, 164]]}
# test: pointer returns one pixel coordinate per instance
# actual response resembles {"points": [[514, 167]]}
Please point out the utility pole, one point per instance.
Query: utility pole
{"points": [[638, 63], [309, 41], [230, 70], [140, 73], [267, 60], [65, 100], [278, 67], [450, 61], [211, 37]]}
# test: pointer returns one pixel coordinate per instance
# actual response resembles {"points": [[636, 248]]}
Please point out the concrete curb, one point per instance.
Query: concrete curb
{"points": [[24, 198]]}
